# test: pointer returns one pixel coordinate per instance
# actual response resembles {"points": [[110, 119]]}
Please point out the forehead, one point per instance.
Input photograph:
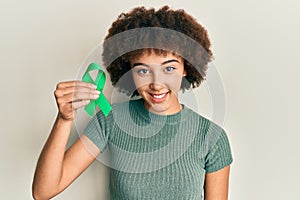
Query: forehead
{"points": [[153, 56]]}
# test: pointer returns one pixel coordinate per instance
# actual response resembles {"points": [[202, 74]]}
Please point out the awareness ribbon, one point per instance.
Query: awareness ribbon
{"points": [[102, 101]]}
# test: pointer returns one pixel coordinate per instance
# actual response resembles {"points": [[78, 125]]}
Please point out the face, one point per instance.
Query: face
{"points": [[158, 80]]}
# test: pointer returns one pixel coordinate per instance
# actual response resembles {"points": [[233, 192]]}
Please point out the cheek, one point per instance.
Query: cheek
{"points": [[173, 82], [141, 82], [142, 89]]}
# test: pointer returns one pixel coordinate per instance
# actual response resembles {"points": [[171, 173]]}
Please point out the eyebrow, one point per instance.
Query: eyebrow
{"points": [[163, 63]]}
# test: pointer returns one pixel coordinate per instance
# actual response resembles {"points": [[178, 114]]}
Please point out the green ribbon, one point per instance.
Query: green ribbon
{"points": [[102, 101]]}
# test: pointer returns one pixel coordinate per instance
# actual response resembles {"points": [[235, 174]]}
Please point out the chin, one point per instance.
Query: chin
{"points": [[160, 108]]}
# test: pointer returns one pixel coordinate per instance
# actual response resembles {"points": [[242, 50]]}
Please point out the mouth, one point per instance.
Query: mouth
{"points": [[158, 98]]}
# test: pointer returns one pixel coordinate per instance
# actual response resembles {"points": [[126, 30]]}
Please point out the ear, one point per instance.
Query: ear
{"points": [[184, 73]]}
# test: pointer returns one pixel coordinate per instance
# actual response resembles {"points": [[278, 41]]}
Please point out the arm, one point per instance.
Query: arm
{"points": [[57, 168], [216, 184]]}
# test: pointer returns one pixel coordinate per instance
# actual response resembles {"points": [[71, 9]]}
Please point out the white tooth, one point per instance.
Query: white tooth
{"points": [[159, 96]]}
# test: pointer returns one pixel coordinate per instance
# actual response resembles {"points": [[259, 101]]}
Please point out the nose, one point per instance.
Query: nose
{"points": [[156, 86], [157, 82]]}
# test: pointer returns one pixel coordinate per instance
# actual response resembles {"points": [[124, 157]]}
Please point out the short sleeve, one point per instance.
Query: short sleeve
{"points": [[219, 155], [98, 130]]}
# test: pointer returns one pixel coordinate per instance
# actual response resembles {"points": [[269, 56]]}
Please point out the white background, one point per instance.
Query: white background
{"points": [[256, 47]]}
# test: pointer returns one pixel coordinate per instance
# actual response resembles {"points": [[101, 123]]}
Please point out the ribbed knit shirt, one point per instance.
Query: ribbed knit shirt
{"points": [[155, 156]]}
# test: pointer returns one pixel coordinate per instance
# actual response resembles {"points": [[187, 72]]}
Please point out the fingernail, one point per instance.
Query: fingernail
{"points": [[97, 92]]}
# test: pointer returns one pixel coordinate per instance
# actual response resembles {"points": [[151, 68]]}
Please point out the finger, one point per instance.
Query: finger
{"points": [[77, 97], [75, 83], [80, 89], [79, 104]]}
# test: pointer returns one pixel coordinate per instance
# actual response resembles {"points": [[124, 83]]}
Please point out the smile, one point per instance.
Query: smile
{"points": [[158, 97]]}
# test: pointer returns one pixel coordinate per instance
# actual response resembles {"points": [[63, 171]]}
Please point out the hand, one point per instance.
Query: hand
{"points": [[72, 95]]}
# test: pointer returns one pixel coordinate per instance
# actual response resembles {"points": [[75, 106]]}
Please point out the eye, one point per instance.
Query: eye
{"points": [[143, 71], [169, 69]]}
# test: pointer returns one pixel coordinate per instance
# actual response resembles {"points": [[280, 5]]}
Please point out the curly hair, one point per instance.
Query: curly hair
{"points": [[195, 59]]}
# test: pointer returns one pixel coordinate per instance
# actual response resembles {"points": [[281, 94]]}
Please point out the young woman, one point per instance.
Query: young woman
{"points": [[159, 148]]}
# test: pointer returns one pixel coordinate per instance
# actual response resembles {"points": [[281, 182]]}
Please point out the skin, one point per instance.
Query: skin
{"points": [[157, 79], [55, 169], [216, 184]]}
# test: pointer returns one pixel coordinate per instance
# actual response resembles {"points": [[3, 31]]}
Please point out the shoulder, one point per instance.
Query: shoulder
{"points": [[201, 121], [120, 110], [208, 130]]}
